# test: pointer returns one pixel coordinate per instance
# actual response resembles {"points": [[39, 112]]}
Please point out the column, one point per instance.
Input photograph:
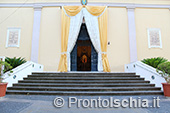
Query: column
{"points": [[36, 34], [132, 34]]}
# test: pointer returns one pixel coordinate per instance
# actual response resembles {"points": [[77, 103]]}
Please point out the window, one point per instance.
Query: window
{"points": [[13, 37], [154, 38]]}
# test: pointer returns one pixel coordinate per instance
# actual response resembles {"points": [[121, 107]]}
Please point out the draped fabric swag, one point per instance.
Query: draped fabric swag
{"points": [[93, 31], [65, 22], [72, 10], [95, 10], [75, 24], [103, 40], [96, 22]]}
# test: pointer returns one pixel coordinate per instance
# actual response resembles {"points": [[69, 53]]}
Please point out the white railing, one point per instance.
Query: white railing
{"points": [[22, 71], [145, 71]]}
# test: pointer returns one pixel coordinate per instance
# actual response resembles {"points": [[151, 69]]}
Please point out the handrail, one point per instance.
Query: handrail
{"points": [[22, 71], [145, 71]]}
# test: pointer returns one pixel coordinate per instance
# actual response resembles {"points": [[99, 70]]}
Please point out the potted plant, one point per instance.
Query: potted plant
{"points": [[164, 70], [3, 66]]}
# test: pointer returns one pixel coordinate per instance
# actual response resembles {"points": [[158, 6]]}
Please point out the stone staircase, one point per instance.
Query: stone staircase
{"points": [[84, 84]]}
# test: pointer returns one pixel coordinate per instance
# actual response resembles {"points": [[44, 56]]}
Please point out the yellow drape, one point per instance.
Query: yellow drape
{"points": [[72, 10], [65, 25], [102, 20], [95, 10]]}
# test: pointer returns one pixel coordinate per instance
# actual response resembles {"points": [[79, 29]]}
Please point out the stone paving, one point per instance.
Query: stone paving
{"points": [[44, 104]]}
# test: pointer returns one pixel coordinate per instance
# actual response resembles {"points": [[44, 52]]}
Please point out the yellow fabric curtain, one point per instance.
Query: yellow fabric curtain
{"points": [[72, 10], [103, 40], [65, 25], [102, 20], [95, 10]]}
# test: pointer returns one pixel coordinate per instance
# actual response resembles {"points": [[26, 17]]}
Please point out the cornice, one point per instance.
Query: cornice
{"points": [[126, 5]]}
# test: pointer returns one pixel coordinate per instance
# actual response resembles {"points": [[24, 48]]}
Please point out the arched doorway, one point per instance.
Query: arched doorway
{"points": [[83, 56]]}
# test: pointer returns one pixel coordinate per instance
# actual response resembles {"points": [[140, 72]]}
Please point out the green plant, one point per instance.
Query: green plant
{"points": [[7, 66], [14, 62], [164, 70], [154, 62]]}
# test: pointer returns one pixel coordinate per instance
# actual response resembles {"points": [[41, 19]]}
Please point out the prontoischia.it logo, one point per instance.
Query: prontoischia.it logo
{"points": [[106, 103]]}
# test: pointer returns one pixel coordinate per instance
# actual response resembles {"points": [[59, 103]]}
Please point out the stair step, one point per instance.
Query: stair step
{"points": [[83, 81], [86, 85], [81, 73], [84, 88], [45, 75], [26, 92], [76, 78], [82, 78]]}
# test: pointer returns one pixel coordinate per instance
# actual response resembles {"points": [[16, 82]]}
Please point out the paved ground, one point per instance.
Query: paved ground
{"points": [[44, 104]]}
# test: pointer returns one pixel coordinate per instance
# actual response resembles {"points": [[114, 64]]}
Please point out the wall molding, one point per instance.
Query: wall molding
{"points": [[125, 5]]}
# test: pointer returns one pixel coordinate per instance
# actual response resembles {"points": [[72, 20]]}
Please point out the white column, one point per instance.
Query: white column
{"points": [[132, 34], [36, 33]]}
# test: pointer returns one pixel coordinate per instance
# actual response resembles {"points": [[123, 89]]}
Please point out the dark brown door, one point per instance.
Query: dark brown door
{"points": [[84, 58]]}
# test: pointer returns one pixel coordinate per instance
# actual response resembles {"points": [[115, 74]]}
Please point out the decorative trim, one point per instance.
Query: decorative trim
{"points": [[127, 5], [19, 35], [83, 2]]}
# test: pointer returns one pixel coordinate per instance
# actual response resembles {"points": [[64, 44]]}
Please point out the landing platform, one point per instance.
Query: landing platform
{"points": [[43, 104]]}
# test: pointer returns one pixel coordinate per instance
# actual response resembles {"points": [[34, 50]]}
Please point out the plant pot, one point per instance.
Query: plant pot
{"points": [[3, 89], [166, 88]]}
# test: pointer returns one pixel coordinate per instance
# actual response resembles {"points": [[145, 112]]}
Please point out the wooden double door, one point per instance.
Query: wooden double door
{"points": [[83, 56]]}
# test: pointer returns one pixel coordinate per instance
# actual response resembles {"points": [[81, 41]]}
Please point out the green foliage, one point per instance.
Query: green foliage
{"points": [[165, 67], [14, 62], [154, 62], [7, 66], [165, 71]]}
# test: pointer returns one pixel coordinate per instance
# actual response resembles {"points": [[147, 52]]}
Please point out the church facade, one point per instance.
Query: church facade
{"points": [[93, 35]]}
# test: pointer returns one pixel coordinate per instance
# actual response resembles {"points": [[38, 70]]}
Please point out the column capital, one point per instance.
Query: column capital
{"points": [[38, 7], [131, 7]]}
